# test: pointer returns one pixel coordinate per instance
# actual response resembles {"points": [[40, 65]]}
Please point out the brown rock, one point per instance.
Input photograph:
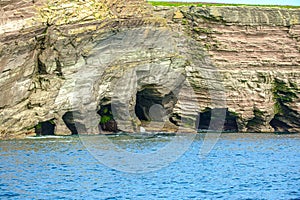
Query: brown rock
{"points": [[54, 60]]}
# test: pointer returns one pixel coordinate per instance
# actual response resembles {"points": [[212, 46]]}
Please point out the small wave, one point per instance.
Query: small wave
{"points": [[47, 137], [9, 195]]}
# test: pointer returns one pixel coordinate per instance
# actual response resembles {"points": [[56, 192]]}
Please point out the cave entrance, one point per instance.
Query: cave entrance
{"points": [[253, 125], [45, 128], [279, 125], [151, 105], [146, 99], [205, 117], [72, 121], [107, 121]]}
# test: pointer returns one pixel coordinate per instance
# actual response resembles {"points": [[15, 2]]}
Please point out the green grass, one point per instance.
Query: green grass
{"points": [[160, 3]]}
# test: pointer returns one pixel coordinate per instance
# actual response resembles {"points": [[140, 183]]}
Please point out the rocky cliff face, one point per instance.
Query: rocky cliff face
{"points": [[256, 52], [66, 67]]}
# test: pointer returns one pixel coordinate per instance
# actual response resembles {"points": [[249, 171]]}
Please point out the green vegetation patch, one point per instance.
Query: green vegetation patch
{"points": [[106, 115], [161, 3], [105, 119], [283, 93], [39, 126]]}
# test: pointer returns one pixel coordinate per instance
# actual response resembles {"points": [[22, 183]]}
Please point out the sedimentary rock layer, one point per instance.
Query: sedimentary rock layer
{"points": [[73, 65], [256, 51]]}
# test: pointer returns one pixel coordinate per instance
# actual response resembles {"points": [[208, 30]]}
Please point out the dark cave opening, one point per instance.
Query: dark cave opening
{"points": [[41, 67], [151, 105], [254, 124], [72, 121], [217, 114], [279, 125], [145, 99], [286, 118], [45, 128], [107, 121], [58, 69]]}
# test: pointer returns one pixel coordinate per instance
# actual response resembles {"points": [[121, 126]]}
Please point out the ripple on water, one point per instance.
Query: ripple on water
{"points": [[240, 166]]}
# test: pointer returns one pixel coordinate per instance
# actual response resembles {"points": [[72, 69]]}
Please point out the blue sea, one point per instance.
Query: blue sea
{"points": [[239, 166]]}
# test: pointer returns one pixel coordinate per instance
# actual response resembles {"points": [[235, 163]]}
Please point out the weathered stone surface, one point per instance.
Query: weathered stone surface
{"points": [[251, 48], [62, 57]]}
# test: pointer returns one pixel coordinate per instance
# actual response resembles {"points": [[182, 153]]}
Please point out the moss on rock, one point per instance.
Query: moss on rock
{"points": [[67, 12]]}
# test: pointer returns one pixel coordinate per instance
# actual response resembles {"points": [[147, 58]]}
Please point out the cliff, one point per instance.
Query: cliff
{"points": [[256, 52], [84, 67]]}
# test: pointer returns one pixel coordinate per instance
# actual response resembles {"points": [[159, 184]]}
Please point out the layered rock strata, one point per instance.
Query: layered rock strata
{"points": [[256, 51], [161, 68]]}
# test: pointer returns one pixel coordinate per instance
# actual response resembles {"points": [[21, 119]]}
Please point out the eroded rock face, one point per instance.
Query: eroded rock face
{"points": [[256, 52], [187, 59]]}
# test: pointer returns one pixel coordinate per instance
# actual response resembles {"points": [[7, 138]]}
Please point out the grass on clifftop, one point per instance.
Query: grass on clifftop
{"points": [[164, 3]]}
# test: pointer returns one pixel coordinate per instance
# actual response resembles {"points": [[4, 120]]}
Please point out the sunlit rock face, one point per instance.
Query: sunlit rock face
{"points": [[90, 67], [256, 52]]}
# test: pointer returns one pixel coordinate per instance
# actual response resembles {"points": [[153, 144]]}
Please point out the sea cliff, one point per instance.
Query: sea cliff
{"points": [[105, 66]]}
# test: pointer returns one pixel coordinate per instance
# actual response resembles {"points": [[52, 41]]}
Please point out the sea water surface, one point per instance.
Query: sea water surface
{"points": [[240, 166]]}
